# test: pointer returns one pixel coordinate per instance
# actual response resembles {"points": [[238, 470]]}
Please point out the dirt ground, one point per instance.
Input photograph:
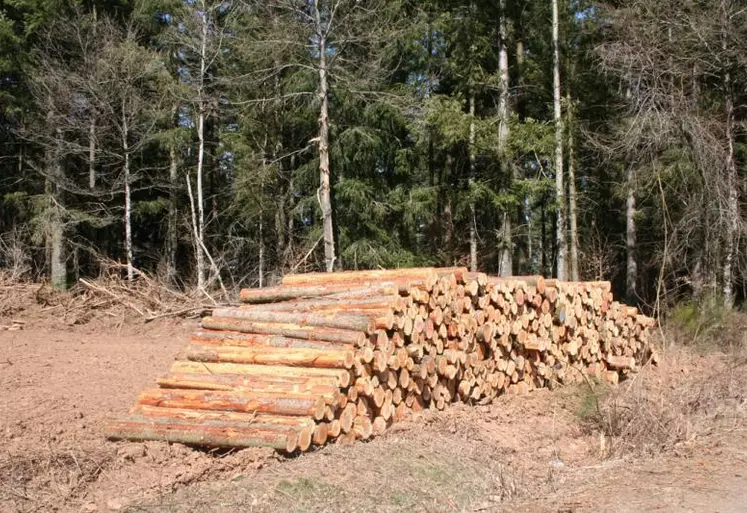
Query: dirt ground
{"points": [[60, 382]]}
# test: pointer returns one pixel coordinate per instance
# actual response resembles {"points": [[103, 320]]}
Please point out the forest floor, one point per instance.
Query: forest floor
{"points": [[672, 439]]}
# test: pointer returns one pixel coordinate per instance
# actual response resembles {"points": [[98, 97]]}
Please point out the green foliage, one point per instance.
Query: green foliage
{"points": [[408, 180], [446, 117]]}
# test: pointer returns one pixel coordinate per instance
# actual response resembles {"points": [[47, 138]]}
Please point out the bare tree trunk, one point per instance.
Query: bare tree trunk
{"points": [[506, 265], [527, 212], [526, 260], [280, 226], [472, 168], [732, 181], [631, 273], [200, 232], [448, 217], [261, 254], [92, 154], [172, 237], [55, 232], [289, 246], [543, 236], [324, 195], [128, 199], [92, 130], [560, 229], [572, 207], [58, 260], [55, 237]]}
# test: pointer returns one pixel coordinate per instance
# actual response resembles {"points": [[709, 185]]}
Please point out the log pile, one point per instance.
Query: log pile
{"points": [[342, 356]]}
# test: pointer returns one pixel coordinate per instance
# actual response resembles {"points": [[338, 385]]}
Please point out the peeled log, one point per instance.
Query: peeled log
{"points": [[356, 337], [207, 434], [620, 362], [364, 276], [272, 356], [339, 377], [326, 304], [228, 338], [326, 389], [354, 322], [245, 401], [282, 293], [246, 419]]}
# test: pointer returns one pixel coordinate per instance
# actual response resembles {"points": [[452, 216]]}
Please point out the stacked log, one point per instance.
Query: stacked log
{"points": [[342, 356]]}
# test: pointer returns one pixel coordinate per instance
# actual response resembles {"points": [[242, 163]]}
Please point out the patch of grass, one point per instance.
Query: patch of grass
{"points": [[591, 398], [304, 491], [707, 325], [400, 499]]}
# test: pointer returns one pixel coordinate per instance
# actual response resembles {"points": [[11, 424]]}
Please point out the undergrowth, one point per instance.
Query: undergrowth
{"points": [[706, 325], [699, 386]]}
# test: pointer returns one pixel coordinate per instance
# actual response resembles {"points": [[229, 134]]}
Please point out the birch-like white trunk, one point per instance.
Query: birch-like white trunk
{"points": [[560, 228], [128, 198], [732, 180], [506, 265], [200, 203], [324, 194], [631, 272]]}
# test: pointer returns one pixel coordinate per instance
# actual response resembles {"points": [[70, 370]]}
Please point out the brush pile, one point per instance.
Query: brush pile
{"points": [[341, 356]]}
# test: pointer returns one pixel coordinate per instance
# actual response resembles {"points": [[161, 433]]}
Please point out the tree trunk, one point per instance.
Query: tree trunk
{"points": [[543, 235], [58, 260], [92, 154], [506, 265], [199, 243], [520, 99], [526, 260], [55, 234], [55, 239], [472, 168], [448, 218], [324, 195], [572, 208], [92, 127], [128, 199], [172, 237], [261, 255], [732, 181], [560, 229], [631, 275], [289, 246]]}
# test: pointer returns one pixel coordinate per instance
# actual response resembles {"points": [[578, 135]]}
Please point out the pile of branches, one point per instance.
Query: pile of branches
{"points": [[147, 297]]}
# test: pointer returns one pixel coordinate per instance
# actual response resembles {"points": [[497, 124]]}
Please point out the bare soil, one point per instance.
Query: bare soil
{"points": [[61, 381]]}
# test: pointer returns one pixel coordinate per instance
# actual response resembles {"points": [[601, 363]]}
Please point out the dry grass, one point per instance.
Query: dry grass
{"points": [[46, 479], [408, 471], [668, 408]]}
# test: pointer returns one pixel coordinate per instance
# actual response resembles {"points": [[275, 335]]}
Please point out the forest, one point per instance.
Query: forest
{"points": [[218, 144]]}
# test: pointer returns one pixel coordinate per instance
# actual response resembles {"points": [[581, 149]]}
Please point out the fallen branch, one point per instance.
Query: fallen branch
{"points": [[202, 309], [102, 290], [307, 254]]}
